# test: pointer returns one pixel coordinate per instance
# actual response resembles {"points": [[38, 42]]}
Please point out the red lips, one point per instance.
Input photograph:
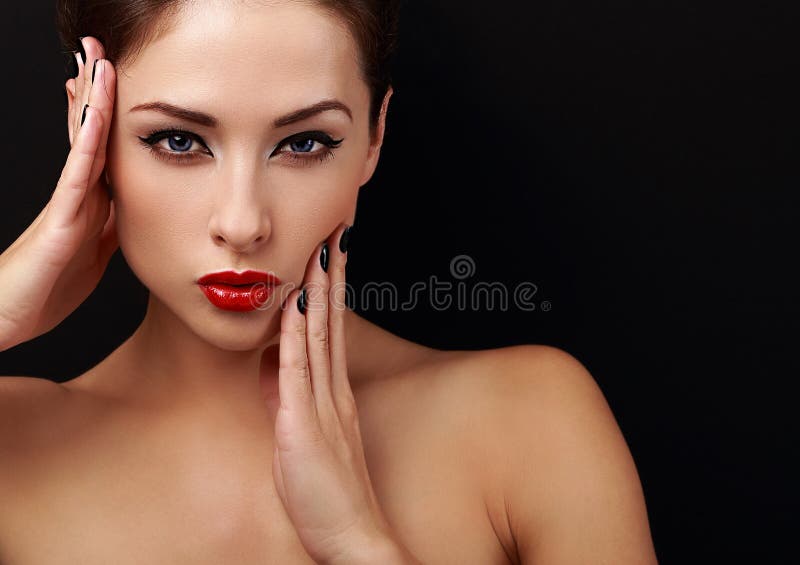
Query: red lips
{"points": [[238, 292], [234, 278]]}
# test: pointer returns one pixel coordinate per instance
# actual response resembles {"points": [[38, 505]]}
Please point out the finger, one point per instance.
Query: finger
{"points": [[100, 86], [93, 51], [102, 99], [319, 359], [340, 381], [81, 60], [294, 378], [74, 180], [79, 94]]}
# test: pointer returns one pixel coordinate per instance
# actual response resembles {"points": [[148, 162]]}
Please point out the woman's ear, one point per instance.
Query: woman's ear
{"points": [[70, 88], [377, 141], [108, 184]]}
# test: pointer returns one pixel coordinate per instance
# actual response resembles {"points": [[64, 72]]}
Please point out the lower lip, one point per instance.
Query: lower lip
{"points": [[238, 298]]}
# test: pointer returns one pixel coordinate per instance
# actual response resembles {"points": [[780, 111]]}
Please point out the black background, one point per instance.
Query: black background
{"points": [[634, 160]]}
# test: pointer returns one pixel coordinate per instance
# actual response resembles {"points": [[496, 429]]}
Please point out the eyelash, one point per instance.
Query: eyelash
{"points": [[298, 157]]}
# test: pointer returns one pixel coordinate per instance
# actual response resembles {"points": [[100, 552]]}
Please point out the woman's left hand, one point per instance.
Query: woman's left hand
{"points": [[319, 467]]}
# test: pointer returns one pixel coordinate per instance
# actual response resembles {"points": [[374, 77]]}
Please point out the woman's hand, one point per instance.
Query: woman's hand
{"points": [[59, 259], [319, 466]]}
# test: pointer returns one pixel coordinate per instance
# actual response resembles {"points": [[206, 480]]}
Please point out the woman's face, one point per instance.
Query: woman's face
{"points": [[242, 188]]}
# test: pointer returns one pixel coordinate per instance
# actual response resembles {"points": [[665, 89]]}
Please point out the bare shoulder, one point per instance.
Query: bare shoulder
{"points": [[24, 390], [569, 485], [26, 399], [558, 479]]}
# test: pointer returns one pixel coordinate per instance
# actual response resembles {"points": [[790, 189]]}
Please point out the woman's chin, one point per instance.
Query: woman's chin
{"points": [[224, 329], [237, 331]]}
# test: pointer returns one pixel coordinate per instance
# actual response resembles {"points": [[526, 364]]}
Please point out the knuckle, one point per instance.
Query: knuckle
{"points": [[320, 334], [298, 368], [339, 269], [315, 290], [298, 328], [83, 149]]}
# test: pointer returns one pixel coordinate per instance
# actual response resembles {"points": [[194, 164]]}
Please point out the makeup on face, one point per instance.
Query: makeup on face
{"points": [[180, 140], [223, 160], [238, 292]]}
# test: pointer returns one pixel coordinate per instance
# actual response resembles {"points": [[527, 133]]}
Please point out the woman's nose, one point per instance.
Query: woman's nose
{"points": [[239, 220]]}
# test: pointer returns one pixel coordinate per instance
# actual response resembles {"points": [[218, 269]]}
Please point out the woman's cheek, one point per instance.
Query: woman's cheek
{"points": [[151, 229], [316, 193]]}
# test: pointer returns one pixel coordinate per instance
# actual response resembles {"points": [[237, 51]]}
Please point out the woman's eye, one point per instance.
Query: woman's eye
{"points": [[177, 146], [179, 142], [303, 146], [309, 144]]}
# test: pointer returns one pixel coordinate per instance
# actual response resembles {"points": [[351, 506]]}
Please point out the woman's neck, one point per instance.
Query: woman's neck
{"points": [[164, 365]]}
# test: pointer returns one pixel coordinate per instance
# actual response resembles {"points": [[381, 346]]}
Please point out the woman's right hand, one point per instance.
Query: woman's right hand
{"points": [[60, 258]]}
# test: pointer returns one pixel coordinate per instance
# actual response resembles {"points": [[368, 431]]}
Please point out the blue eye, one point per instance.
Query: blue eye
{"points": [[181, 141], [302, 147]]}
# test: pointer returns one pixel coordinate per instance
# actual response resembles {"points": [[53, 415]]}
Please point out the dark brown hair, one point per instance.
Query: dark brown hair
{"points": [[125, 27]]}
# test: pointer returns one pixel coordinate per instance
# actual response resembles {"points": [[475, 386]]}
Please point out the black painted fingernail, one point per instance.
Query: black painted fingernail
{"points": [[345, 239], [323, 257], [94, 68], [301, 302], [82, 52], [83, 116]]}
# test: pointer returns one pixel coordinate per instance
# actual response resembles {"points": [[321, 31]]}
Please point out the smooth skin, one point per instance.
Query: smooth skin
{"points": [[319, 454], [498, 456]]}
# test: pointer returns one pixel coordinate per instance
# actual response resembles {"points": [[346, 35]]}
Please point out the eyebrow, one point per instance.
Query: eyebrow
{"points": [[210, 121]]}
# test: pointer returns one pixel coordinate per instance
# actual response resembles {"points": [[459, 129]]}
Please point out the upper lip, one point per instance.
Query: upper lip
{"points": [[243, 278]]}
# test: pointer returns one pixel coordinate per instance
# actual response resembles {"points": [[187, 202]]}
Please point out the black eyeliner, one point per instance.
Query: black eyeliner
{"points": [[318, 136], [157, 135]]}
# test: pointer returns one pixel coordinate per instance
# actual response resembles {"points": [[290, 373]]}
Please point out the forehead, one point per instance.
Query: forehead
{"points": [[272, 55]]}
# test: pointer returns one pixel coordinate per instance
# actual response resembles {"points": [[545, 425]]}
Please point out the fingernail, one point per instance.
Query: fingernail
{"points": [[94, 68], [83, 116], [345, 239], [323, 257], [301, 302], [82, 52]]}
